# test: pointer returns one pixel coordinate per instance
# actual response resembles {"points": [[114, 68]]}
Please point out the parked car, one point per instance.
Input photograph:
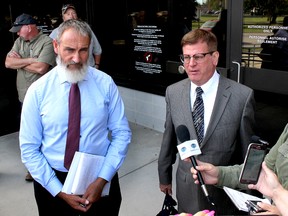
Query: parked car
{"points": [[208, 25]]}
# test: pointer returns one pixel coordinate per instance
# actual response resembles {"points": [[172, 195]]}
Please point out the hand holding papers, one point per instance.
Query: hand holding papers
{"points": [[83, 171], [239, 198]]}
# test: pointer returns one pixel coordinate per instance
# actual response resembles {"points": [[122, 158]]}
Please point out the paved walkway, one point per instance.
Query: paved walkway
{"points": [[138, 177]]}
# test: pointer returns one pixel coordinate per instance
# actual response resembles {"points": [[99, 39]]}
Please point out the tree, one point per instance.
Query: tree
{"points": [[270, 8]]}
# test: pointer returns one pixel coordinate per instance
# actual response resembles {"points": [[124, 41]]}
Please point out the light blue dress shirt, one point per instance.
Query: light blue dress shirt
{"points": [[44, 122]]}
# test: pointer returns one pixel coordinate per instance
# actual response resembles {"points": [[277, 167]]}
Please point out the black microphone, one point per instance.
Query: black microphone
{"points": [[257, 139], [183, 136]]}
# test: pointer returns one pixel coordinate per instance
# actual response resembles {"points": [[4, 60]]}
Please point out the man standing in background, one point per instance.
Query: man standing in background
{"points": [[32, 56], [95, 50]]}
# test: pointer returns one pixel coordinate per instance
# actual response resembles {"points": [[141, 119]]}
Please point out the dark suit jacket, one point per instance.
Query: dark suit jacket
{"points": [[225, 143]]}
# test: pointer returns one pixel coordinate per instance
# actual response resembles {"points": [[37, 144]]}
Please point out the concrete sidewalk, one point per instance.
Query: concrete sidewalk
{"points": [[138, 177]]}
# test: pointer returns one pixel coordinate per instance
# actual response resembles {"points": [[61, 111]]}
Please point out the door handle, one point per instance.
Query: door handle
{"points": [[238, 70]]}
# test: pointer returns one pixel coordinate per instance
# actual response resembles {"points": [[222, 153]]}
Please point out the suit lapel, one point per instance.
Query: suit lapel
{"points": [[186, 108], [221, 101]]}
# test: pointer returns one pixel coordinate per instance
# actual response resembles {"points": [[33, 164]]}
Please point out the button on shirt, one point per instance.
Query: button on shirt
{"points": [[44, 124]]}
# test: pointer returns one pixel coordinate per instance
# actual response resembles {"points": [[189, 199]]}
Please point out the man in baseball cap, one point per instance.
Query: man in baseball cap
{"points": [[95, 50], [32, 54], [23, 19], [66, 7]]}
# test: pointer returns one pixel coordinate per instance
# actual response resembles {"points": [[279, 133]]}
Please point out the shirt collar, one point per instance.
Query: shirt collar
{"points": [[214, 80]]}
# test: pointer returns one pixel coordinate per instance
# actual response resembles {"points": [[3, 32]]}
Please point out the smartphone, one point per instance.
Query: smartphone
{"points": [[253, 207], [253, 163]]}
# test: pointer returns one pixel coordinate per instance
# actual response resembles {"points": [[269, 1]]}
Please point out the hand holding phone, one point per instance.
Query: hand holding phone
{"points": [[253, 163], [253, 207]]}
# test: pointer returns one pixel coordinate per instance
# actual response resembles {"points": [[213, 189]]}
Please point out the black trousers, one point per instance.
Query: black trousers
{"points": [[49, 205]]}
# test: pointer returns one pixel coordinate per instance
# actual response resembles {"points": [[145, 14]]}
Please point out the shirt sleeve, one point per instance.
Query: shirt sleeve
{"points": [[97, 50], [30, 139], [120, 134], [229, 177], [47, 54], [54, 33]]}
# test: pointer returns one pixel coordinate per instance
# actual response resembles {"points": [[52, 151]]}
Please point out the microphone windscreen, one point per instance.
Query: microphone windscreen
{"points": [[182, 133]]}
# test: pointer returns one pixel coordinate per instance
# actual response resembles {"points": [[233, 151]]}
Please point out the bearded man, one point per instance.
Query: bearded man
{"points": [[44, 128]]}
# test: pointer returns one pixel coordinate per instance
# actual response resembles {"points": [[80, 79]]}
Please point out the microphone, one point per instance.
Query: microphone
{"points": [[183, 136], [257, 139]]}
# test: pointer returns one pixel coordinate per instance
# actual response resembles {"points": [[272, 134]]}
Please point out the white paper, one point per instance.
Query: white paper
{"points": [[83, 171], [239, 198]]}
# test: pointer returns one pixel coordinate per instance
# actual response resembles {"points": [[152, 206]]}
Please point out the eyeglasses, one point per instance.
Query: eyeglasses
{"points": [[199, 57]]}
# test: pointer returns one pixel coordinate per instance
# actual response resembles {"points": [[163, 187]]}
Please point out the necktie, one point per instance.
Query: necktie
{"points": [[198, 115], [73, 134]]}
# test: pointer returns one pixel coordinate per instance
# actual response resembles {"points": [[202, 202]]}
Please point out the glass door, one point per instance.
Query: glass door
{"points": [[257, 49], [258, 45]]}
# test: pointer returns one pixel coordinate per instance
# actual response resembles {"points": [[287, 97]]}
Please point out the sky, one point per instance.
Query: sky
{"points": [[201, 1]]}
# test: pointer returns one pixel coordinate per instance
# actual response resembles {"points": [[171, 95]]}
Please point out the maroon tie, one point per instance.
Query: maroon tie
{"points": [[73, 134]]}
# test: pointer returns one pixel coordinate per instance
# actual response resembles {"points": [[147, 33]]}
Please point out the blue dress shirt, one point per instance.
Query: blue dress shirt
{"points": [[44, 122]]}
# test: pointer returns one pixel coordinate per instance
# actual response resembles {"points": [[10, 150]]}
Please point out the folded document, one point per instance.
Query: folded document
{"points": [[239, 198], [83, 171]]}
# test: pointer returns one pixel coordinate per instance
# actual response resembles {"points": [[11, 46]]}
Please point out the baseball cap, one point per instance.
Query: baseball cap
{"points": [[66, 7], [23, 19]]}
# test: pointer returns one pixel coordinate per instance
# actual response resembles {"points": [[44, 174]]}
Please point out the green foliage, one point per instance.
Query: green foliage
{"points": [[247, 20], [215, 4], [269, 8]]}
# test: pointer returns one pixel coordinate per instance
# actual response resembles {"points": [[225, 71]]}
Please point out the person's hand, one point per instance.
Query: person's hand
{"points": [[200, 213], [166, 188], [267, 181], [269, 209], [266, 184], [209, 173], [183, 214], [205, 213], [75, 201], [94, 191]]}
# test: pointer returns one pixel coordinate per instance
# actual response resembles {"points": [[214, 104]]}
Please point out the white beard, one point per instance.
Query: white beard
{"points": [[73, 76]]}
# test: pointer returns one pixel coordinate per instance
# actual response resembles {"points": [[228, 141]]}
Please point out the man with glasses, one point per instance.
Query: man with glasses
{"points": [[223, 125], [95, 50]]}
